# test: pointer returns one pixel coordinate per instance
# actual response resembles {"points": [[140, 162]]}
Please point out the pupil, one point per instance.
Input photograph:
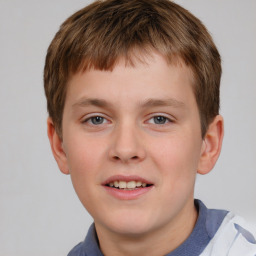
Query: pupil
{"points": [[97, 120], [160, 119]]}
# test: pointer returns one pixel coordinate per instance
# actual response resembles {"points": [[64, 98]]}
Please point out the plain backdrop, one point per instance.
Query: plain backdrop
{"points": [[39, 211]]}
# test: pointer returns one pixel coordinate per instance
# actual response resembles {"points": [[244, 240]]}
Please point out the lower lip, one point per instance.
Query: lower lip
{"points": [[127, 194]]}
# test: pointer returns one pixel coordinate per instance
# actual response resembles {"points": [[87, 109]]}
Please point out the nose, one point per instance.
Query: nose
{"points": [[127, 144]]}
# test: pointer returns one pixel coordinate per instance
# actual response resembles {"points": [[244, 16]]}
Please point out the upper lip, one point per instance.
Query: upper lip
{"points": [[126, 178]]}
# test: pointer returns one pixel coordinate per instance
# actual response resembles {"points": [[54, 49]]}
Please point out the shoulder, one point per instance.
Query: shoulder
{"points": [[232, 236], [89, 246], [213, 218], [77, 250]]}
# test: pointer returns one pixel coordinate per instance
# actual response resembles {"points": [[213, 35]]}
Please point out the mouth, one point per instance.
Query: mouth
{"points": [[128, 185]]}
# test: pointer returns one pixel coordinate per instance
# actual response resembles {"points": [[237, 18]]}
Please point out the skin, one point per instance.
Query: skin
{"points": [[128, 140]]}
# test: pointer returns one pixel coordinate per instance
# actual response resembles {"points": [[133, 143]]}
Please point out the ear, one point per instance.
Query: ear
{"points": [[211, 145], [57, 147]]}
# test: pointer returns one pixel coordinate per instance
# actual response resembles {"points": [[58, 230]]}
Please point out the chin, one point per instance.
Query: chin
{"points": [[129, 224], [131, 230]]}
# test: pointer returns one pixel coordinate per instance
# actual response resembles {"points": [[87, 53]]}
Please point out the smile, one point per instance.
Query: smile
{"points": [[130, 185], [127, 187]]}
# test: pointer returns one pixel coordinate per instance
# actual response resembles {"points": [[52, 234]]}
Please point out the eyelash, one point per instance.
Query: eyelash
{"points": [[166, 119], [103, 120], [89, 120]]}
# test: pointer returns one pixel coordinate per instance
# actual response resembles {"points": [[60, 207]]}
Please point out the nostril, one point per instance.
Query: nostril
{"points": [[132, 158]]}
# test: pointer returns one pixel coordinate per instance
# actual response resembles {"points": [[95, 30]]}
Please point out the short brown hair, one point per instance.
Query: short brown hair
{"points": [[107, 30]]}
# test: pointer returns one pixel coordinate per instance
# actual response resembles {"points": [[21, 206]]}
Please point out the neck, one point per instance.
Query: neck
{"points": [[160, 241]]}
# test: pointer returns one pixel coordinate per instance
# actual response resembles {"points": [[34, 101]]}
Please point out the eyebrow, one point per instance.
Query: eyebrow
{"points": [[94, 102], [165, 102], [148, 103]]}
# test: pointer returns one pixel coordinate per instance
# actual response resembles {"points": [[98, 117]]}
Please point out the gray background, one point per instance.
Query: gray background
{"points": [[39, 211]]}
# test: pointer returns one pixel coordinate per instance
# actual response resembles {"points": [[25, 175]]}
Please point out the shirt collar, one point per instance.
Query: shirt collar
{"points": [[193, 246]]}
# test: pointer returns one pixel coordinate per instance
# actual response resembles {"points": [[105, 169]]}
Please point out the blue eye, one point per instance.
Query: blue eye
{"points": [[96, 120], [160, 119]]}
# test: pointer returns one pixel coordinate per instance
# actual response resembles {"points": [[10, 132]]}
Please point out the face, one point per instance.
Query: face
{"points": [[132, 144]]}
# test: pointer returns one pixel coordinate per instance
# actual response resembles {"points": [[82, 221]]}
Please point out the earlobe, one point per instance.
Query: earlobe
{"points": [[57, 147], [211, 145]]}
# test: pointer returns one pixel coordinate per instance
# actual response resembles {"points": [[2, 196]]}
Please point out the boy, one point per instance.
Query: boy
{"points": [[132, 92]]}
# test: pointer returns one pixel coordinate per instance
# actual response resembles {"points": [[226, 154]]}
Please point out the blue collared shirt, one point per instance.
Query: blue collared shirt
{"points": [[208, 223]]}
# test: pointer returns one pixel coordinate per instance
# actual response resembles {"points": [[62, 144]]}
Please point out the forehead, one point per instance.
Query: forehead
{"points": [[132, 58], [145, 76]]}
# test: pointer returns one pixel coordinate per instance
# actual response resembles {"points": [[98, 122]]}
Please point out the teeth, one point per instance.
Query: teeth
{"points": [[127, 185], [122, 184], [138, 183], [131, 184]]}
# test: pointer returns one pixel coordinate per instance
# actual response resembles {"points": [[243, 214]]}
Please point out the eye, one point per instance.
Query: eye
{"points": [[96, 120], [159, 120]]}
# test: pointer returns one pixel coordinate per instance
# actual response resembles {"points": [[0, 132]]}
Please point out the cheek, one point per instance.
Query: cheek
{"points": [[84, 156], [177, 156], [85, 162]]}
